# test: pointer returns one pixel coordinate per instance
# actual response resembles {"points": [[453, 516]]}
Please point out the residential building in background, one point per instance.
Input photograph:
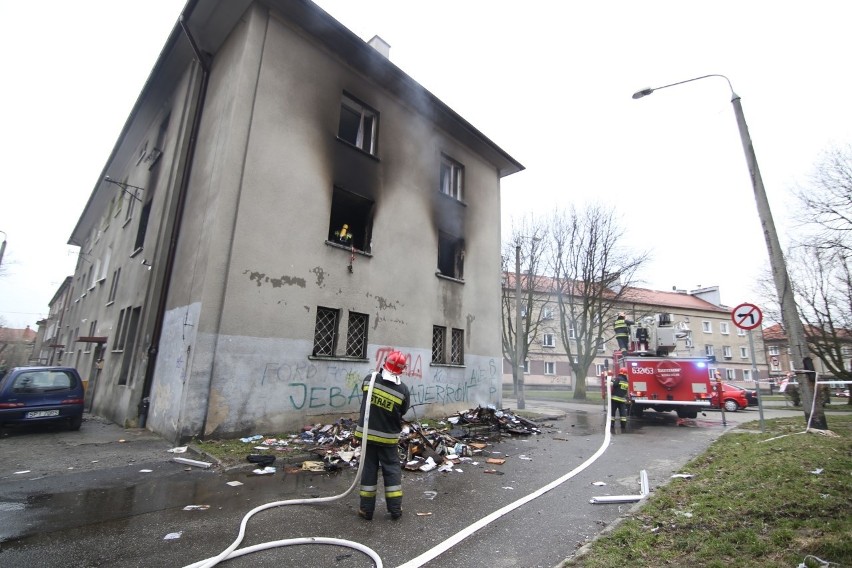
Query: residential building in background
{"points": [[282, 208], [703, 324], [778, 354], [16, 347]]}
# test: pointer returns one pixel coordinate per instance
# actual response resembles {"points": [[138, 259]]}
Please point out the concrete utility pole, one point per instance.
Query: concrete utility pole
{"points": [[793, 327], [2, 248]]}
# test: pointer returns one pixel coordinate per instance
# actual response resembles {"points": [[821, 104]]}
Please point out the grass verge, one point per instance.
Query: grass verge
{"points": [[751, 503]]}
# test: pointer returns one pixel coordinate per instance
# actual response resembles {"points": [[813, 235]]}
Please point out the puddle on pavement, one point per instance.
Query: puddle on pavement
{"points": [[47, 512]]}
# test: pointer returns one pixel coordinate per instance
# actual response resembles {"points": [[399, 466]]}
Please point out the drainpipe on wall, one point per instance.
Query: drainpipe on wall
{"points": [[144, 403]]}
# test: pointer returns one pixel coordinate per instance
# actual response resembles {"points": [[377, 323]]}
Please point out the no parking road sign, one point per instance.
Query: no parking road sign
{"points": [[747, 316]]}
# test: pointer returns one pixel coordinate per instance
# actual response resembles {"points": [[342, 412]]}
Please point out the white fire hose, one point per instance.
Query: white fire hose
{"points": [[437, 550]]}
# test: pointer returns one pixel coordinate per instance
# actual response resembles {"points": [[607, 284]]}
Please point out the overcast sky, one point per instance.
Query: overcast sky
{"points": [[549, 82]]}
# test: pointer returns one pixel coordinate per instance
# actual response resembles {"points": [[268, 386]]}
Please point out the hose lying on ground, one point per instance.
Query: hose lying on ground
{"points": [[425, 557]]}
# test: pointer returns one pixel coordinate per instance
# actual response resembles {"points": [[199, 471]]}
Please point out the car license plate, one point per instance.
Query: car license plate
{"points": [[41, 413]]}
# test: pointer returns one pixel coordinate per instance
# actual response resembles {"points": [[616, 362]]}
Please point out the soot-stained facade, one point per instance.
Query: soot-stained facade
{"points": [[283, 207]]}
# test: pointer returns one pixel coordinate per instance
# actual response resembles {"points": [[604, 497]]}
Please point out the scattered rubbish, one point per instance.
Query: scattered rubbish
{"points": [[342, 557], [599, 483], [313, 466], [262, 460], [23, 471], [430, 494], [510, 488], [429, 465], [265, 471], [459, 470], [122, 441], [194, 463], [95, 461], [527, 458], [178, 450], [497, 461], [494, 471], [173, 536], [196, 507], [234, 483], [251, 439], [817, 471], [447, 467], [683, 475], [684, 514], [643, 492], [424, 514], [146, 470]]}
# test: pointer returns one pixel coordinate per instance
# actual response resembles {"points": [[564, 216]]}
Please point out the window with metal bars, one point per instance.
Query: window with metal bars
{"points": [[356, 335], [439, 344], [325, 332], [457, 347]]}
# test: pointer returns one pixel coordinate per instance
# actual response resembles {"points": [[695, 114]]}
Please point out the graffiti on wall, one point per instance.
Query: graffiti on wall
{"points": [[309, 385]]}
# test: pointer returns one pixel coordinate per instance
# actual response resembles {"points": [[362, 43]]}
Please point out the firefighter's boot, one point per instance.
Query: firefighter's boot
{"points": [[624, 427]]}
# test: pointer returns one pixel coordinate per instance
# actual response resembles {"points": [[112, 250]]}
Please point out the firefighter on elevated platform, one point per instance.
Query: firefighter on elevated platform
{"points": [[621, 325]]}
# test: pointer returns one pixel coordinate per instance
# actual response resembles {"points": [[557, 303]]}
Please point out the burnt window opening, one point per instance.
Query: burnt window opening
{"points": [[325, 332], [356, 335], [452, 178], [129, 333], [439, 344], [358, 125], [450, 256], [351, 222]]}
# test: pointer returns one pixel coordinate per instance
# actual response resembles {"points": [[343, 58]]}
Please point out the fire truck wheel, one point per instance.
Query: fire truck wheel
{"points": [[731, 406]]}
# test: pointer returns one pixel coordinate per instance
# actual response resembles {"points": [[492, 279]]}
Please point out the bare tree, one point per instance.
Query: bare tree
{"points": [[522, 263], [821, 261], [825, 203], [591, 269]]}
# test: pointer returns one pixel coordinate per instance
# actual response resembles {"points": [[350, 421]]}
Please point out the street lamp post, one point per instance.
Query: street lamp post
{"points": [[789, 311]]}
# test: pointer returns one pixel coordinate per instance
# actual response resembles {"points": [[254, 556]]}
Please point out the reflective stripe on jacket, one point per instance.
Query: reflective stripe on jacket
{"points": [[619, 389]]}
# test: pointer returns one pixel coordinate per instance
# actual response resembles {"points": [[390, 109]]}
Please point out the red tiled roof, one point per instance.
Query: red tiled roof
{"points": [[774, 333], [668, 300], [9, 335], [546, 284]]}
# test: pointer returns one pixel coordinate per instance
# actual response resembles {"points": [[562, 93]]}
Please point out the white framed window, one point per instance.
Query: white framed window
{"points": [[723, 327], [572, 334], [773, 350], [741, 332], [358, 125], [688, 340], [549, 368], [743, 352], [599, 369], [845, 350], [547, 313], [526, 366], [548, 340], [727, 352], [574, 359], [601, 346], [709, 351], [730, 374], [452, 178], [707, 327], [746, 374]]}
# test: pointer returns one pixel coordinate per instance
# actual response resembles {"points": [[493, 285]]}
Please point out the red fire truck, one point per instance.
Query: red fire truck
{"points": [[660, 381]]}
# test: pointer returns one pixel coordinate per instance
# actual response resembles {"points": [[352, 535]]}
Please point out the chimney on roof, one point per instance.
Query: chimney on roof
{"points": [[380, 45]]}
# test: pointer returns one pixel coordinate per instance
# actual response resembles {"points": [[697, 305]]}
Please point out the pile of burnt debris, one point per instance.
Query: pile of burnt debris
{"points": [[423, 445]]}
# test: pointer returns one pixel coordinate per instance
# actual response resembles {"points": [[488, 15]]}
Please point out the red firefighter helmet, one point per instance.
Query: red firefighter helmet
{"points": [[623, 371], [395, 363]]}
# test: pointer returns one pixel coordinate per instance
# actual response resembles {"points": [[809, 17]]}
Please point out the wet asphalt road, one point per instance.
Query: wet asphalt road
{"points": [[84, 501]]}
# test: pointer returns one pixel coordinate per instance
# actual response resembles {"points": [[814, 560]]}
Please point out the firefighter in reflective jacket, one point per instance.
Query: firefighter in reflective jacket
{"points": [[622, 330], [618, 400], [390, 401]]}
